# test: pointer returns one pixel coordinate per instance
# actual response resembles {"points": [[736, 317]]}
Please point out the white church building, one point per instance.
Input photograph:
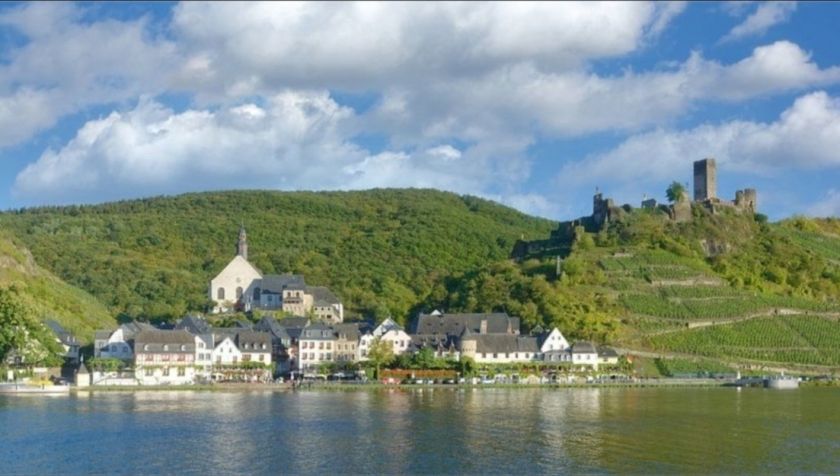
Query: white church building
{"points": [[241, 286]]}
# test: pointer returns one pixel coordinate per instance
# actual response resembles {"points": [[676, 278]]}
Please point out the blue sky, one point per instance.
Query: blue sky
{"points": [[532, 105]]}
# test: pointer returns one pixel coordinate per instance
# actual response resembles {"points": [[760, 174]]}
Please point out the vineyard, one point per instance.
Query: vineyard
{"points": [[810, 340]]}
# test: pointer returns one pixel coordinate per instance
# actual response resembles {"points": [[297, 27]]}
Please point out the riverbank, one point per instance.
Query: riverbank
{"points": [[328, 386]]}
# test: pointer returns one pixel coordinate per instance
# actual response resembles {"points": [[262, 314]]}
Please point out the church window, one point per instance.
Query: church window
{"points": [[238, 292], [220, 294], [257, 292]]}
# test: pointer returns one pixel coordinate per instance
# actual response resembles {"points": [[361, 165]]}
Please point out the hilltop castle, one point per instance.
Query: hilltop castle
{"points": [[241, 286], [605, 211]]}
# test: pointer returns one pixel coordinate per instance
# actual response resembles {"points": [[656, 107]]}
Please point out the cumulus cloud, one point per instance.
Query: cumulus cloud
{"points": [[805, 136], [367, 45], [765, 16], [66, 64], [296, 140]]}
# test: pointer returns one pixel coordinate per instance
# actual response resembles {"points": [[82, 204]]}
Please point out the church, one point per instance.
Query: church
{"points": [[241, 286]]}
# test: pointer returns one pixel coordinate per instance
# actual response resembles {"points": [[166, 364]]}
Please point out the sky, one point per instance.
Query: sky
{"points": [[534, 105]]}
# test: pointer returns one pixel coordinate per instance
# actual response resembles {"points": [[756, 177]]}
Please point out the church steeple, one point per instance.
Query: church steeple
{"points": [[242, 247]]}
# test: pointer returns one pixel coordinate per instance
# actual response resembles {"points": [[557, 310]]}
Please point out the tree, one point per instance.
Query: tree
{"points": [[22, 334], [675, 192], [425, 358], [381, 353], [15, 322]]}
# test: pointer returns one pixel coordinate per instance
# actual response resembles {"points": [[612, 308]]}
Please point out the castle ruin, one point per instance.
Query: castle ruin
{"points": [[604, 211]]}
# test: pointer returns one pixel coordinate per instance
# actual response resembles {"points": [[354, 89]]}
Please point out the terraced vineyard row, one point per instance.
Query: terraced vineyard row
{"points": [[792, 339], [654, 305]]}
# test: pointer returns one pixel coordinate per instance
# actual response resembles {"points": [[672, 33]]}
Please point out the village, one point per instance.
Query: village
{"points": [[302, 336]]}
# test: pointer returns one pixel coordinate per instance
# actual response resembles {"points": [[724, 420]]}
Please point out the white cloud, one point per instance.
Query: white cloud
{"points": [[805, 136], [297, 140], [257, 47], [66, 65], [767, 15], [829, 206]]}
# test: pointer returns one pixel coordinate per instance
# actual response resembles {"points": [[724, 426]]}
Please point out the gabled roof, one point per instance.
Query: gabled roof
{"points": [[156, 339], [63, 335], [456, 324], [504, 343], [348, 330], [278, 282], [583, 347], [249, 340], [269, 324], [193, 324], [322, 296], [607, 352], [318, 331]]}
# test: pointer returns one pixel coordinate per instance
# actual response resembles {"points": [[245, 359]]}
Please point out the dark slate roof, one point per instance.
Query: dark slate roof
{"points": [[607, 352], [436, 341], [63, 335], [278, 282], [156, 339], [294, 325], [583, 347], [193, 325], [243, 324], [504, 343], [348, 330], [318, 331], [269, 324], [253, 340], [131, 329], [102, 335], [322, 296], [456, 324]]}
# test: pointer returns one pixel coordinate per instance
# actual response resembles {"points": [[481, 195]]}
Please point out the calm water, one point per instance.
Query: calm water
{"points": [[425, 431]]}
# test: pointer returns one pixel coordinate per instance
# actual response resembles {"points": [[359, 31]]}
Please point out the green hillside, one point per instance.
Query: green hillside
{"points": [[381, 251], [48, 297], [727, 288]]}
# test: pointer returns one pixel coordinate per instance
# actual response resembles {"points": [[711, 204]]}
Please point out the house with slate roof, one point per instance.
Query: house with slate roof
{"points": [[118, 343], [164, 357], [67, 341], [241, 286]]}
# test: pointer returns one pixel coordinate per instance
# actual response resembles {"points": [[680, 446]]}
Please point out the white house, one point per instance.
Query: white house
{"points": [[316, 347], [119, 343], [164, 357], [226, 352]]}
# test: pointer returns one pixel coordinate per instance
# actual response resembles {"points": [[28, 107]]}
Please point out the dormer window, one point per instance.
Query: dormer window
{"points": [[146, 347], [165, 346], [183, 347]]}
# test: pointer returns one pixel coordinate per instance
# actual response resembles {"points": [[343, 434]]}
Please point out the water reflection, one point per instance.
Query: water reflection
{"points": [[425, 431]]}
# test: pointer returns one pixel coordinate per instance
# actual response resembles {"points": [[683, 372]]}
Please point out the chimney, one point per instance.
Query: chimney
{"points": [[483, 328]]}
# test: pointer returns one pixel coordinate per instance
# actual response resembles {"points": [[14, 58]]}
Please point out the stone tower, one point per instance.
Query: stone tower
{"points": [[242, 247], [705, 180]]}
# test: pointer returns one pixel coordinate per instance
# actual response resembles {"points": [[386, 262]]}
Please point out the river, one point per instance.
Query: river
{"points": [[508, 431]]}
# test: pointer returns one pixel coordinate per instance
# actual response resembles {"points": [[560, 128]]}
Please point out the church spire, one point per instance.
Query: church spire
{"points": [[242, 247]]}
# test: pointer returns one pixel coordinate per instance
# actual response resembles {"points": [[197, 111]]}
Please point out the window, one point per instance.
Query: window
{"points": [[262, 346], [329, 346], [166, 371], [183, 347], [238, 292], [146, 347], [148, 372], [182, 371], [220, 294], [495, 356], [165, 346], [261, 357], [257, 293], [320, 346]]}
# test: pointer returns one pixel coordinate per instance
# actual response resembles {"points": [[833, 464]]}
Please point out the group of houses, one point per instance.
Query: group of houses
{"points": [[193, 351], [302, 332]]}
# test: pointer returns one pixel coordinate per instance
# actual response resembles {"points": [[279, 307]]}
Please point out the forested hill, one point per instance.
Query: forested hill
{"points": [[382, 251], [48, 297]]}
